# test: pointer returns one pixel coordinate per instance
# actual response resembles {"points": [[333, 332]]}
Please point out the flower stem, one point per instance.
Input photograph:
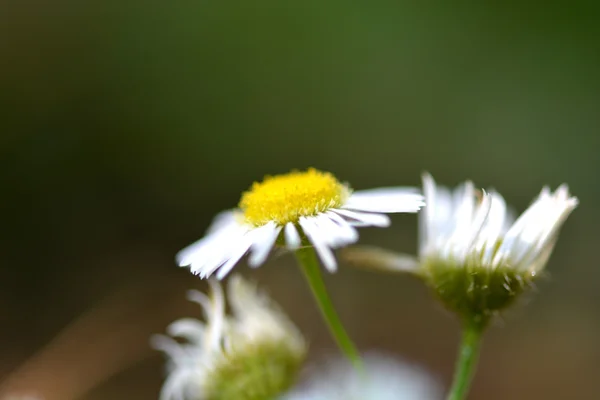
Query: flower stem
{"points": [[467, 359], [312, 272]]}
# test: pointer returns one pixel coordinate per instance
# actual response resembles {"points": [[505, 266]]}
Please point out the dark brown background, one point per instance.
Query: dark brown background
{"points": [[124, 126]]}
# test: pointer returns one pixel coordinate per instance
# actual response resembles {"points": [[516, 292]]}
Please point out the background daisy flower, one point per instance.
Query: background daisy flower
{"points": [[254, 353], [384, 378]]}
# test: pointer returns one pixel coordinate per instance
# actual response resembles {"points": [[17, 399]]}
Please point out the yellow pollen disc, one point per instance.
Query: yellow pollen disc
{"points": [[286, 198]]}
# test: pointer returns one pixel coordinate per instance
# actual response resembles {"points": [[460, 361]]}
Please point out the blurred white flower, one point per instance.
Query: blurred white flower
{"points": [[472, 252], [293, 210], [253, 354], [457, 227], [384, 378]]}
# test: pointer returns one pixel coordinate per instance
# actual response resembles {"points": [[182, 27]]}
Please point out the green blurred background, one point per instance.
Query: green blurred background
{"points": [[125, 126]]}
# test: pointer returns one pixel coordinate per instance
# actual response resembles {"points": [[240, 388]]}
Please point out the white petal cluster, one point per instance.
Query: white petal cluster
{"points": [[223, 342], [229, 238], [464, 226]]}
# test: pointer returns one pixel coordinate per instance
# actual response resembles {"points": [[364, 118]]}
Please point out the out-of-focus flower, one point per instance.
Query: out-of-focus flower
{"points": [[472, 252], [294, 210], [253, 354], [384, 378]]}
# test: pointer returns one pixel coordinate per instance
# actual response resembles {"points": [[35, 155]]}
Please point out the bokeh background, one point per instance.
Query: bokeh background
{"points": [[125, 126]]}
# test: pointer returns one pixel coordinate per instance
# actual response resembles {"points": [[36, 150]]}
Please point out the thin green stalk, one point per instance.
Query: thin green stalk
{"points": [[466, 364], [312, 272]]}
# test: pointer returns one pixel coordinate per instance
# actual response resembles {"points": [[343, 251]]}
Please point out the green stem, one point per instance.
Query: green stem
{"points": [[312, 272], [467, 359]]}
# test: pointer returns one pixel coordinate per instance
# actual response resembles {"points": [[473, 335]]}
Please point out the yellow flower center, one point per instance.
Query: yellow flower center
{"points": [[286, 198]]}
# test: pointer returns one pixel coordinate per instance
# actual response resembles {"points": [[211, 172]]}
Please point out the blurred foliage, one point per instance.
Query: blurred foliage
{"points": [[124, 126]]}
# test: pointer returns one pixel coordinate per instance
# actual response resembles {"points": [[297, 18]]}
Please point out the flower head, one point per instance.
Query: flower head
{"points": [[472, 251], [475, 255], [293, 210], [385, 378], [253, 354]]}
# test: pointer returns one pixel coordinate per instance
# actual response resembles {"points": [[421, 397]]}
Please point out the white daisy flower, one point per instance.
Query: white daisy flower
{"points": [[463, 229], [294, 210], [253, 354], [472, 251], [384, 378]]}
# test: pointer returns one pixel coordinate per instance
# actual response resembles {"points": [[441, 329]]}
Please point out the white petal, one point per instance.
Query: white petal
{"points": [[207, 260], [326, 230], [509, 218], [517, 241], [356, 218], [207, 263], [292, 238], [347, 230], [214, 253], [201, 299], [187, 256], [463, 209], [536, 229], [426, 215], [241, 248], [539, 262], [314, 235], [215, 320], [187, 328], [224, 224], [492, 228], [436, 214], [263, 242], [552, 215], [204, 265], [386, 200], [480, 216], [437, 221], [165, 344], [336, 234], [370, 257], [222, 220], [562, 205], [176, 387], [562, 195]]}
